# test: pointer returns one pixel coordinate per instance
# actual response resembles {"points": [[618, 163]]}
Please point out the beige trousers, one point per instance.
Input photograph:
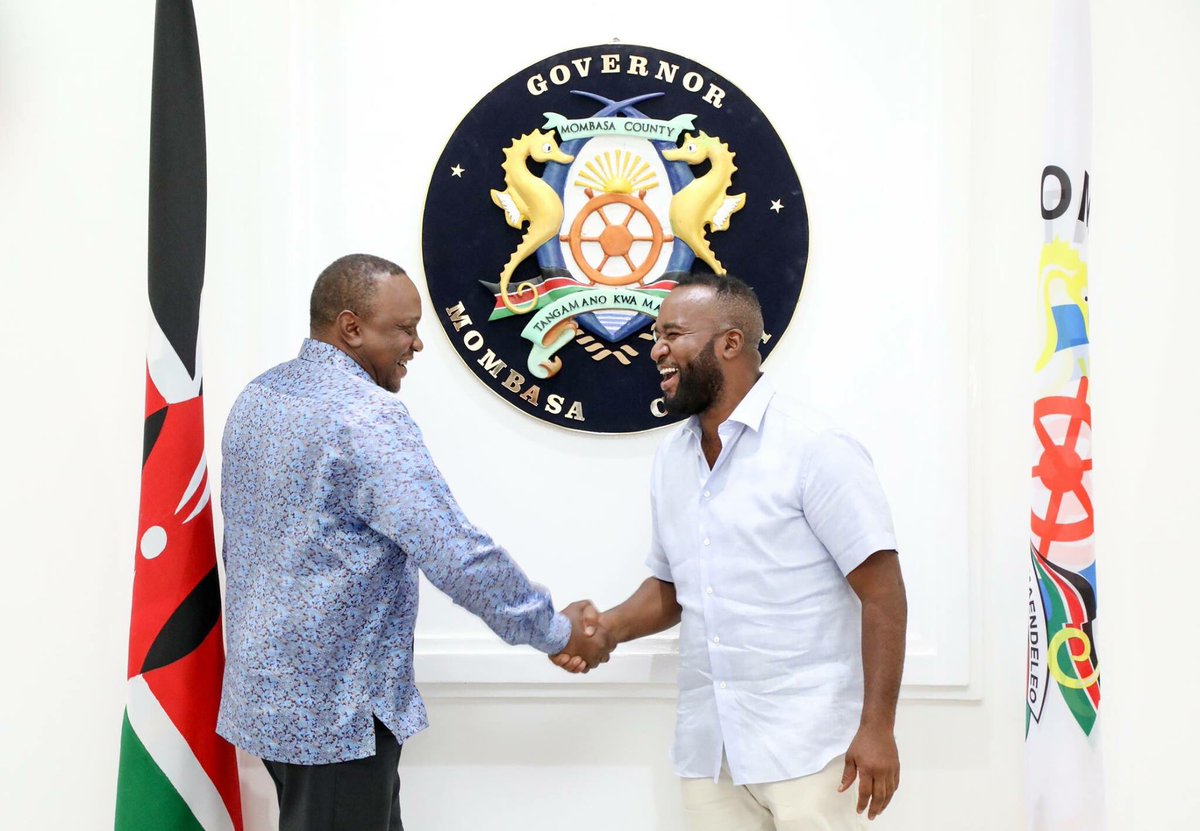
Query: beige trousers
{"points": [[809, 803]]}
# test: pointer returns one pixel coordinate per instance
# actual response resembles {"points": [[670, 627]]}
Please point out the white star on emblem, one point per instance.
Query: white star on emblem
{"points": [[457, 171], [776, 205]]}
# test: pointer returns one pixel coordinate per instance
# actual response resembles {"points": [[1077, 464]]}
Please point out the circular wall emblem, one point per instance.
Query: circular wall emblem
{"points": [[571, 199]]}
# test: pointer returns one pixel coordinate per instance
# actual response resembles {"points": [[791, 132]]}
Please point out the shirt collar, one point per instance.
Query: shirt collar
{"points": [[749, 411], [320, 352]]}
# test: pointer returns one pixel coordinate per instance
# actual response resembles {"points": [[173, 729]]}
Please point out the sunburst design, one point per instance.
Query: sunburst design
{"points": [[617, 171]]}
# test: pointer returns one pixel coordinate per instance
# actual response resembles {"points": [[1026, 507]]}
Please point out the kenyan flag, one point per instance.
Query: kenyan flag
{"points": [[175, 772]]}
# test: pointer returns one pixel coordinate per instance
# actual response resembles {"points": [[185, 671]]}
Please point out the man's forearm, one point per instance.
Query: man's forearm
{"points": [[883, 660], [880, 587], [872, 756], [650, 609]]}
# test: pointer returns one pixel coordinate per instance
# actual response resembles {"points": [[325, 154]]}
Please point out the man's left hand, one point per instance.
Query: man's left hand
{"points": [[874, 758]]}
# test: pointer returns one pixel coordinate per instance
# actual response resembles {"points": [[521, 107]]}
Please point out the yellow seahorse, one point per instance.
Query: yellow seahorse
{"points": [[705, 201], [527, 198], [1064, 280]]}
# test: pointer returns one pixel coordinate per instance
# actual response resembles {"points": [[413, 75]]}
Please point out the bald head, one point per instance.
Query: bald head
{"points": [[348, 283]]}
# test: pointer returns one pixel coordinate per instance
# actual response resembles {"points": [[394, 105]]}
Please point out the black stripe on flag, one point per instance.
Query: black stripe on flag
{"points": [[178, 179], [188, 625]]}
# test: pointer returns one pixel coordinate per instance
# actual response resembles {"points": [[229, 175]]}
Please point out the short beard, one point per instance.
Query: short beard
{"points": [[699, 385]]}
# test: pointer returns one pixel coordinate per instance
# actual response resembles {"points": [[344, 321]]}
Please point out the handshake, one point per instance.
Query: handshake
{"points": [[592, 639]]}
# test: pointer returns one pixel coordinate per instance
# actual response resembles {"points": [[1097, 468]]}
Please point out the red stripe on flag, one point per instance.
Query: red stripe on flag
{"points": [[163, 578]]}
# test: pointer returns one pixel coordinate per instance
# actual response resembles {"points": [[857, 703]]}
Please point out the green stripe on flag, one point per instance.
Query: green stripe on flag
{"points": [[146, 799], [1057, 619]]}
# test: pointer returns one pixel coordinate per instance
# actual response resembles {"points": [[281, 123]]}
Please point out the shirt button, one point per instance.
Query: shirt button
{"points": [[708, 590], [716, 638], [707, 494], [722, 685], [706, 540]]}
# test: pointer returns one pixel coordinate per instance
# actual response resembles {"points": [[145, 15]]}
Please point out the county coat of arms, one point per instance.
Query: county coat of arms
{"points": [[571, 199]]}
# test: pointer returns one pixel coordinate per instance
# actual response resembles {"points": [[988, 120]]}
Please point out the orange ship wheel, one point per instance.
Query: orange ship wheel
{"points": [[616, 240]]}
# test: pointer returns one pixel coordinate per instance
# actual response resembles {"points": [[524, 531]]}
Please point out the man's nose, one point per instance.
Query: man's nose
{"points": [[658, 350]]}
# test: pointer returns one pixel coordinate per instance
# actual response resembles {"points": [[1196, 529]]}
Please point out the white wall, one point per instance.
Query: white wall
{"points": [[74, 94], [360, 135]]}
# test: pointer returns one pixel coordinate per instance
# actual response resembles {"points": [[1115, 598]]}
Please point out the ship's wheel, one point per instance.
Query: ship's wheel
{"points": [[627, 220], [1062, 466]]}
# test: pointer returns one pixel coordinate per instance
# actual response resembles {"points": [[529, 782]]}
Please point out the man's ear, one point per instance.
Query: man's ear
{"points": [[732, 343], [349, 328]]}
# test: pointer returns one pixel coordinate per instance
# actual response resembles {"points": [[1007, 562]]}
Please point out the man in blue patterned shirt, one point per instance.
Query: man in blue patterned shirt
{"points": [[331, 505]]}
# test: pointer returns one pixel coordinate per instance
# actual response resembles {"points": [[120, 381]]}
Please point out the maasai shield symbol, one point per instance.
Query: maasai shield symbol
{"points": [[590, 182]]}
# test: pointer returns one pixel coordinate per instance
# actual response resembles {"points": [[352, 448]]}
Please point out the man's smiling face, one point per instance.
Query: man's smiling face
{"points": [[686, 332], [389, 332]]}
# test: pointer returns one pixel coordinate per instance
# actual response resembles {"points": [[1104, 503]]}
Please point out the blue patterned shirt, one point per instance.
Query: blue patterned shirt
{"points": [[331, 505]]}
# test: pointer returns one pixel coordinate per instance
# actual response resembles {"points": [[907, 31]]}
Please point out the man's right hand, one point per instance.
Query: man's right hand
{"points": [[590, 644]]}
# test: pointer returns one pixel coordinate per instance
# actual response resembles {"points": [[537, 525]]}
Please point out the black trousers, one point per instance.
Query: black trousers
{"points": [[360, 795]]}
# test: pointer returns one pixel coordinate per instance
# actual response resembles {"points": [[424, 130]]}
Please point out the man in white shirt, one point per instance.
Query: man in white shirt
{"points": [[773, 543]]}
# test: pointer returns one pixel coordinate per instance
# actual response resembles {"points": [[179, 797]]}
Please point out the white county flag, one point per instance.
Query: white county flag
{"points": [[1064, 782]]}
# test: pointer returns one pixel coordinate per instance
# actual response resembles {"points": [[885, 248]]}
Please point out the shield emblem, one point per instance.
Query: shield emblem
{"points": [[616, 196]]}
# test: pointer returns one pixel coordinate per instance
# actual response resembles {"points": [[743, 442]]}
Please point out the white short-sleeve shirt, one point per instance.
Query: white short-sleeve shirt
{"points": [[758, 548]]}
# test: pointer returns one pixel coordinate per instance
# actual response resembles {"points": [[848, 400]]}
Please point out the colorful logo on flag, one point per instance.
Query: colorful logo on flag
{"points": [[569, 202], [1063, 558]]}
